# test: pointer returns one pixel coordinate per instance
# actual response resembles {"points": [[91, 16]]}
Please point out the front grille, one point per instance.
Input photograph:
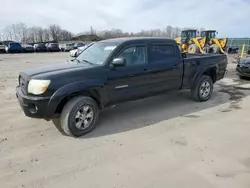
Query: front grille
{"points": [[245, 69]]}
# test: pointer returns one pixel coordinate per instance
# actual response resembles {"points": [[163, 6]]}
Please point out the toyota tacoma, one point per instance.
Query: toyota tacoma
{"points": [[114, 71]]}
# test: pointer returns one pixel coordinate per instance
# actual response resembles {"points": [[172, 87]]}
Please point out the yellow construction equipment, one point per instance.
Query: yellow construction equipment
{"points": [[213, 44], [184, 40], [189, 42]]}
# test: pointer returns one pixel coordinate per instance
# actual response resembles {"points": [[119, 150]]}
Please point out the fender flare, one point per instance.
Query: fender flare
{"points": [[69, 89], [201, 72]]}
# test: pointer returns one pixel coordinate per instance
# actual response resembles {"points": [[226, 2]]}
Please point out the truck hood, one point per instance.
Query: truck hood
{"points": [[63, 66]]}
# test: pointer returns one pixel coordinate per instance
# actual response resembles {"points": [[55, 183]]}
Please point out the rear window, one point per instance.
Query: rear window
{"points": [[53, 45], [41, 45], [14, 44], [160, 52]]}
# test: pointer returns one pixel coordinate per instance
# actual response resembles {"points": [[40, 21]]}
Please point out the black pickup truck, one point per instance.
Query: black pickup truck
{"points": [[110, 72]]}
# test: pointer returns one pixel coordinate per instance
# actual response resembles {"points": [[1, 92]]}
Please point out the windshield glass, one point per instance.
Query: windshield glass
{"points": [[188, 34], [14, 44], [212, 34], [97, 53]]}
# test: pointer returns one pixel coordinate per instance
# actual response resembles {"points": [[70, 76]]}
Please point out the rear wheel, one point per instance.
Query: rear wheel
{"points": [[193, 48], [214, 49], [79, 116], [203, 89]]}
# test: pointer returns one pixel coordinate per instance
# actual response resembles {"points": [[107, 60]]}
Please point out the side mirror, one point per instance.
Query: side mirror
{"points": [[118, 62]]}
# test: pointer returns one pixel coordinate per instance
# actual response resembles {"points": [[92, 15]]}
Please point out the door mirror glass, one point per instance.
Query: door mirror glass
{"points": [[118, 62]]}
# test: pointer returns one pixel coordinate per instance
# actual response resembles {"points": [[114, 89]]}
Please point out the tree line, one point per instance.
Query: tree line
{"points": [[22, 33]]}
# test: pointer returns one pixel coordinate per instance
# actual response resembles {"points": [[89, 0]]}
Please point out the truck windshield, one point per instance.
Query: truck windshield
{"points": [[97, 52]]}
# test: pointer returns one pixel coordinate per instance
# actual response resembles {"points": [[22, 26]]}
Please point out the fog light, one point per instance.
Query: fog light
{"points": [[32, 108]]}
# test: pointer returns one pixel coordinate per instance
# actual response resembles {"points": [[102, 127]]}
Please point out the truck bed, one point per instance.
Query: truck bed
{"points": [[194, 63], [187, 55]]}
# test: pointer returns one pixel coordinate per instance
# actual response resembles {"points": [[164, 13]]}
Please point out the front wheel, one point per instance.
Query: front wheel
{"points": [[214, 49], [203, 89], [193, 49], [79, 116]]}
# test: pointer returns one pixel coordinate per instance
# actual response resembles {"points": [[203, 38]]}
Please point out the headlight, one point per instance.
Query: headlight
{"points": [[37, 87]]}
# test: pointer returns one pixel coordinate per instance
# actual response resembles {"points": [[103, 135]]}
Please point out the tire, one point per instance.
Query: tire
{"points": [[193, 49], [242, 77], [199, 93], [57, 123], [214, 49], [70, 111]]}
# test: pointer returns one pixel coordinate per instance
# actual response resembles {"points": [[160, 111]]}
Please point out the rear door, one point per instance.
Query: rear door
{"points": [[131, 81], [165, 67]]}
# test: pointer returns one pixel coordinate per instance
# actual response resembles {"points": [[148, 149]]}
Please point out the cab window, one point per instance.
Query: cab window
{"points": [[134, 55]]}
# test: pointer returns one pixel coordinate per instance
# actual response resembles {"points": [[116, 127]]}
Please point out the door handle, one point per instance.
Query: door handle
{"points": [[145, 70], [176, 66]]}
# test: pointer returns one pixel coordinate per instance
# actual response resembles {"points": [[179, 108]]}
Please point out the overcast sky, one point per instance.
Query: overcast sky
{"points": [[229, 17]]}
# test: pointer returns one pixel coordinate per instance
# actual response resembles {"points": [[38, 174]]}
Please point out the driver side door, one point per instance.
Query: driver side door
{"points": [[130, 81]]}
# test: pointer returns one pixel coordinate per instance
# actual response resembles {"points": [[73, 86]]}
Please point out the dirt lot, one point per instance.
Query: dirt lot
{"points": [[164, 141]]}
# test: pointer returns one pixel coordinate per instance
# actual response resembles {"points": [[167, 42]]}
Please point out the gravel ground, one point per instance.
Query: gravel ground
{"points": [[164, 141]]}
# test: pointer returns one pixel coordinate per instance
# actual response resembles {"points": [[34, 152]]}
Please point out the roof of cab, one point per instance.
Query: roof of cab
{"points": [[127, 39]]}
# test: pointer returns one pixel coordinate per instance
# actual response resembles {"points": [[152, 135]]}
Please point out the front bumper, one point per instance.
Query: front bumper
{"points": [[41, 49], [14, 50], [32, 106], [54, 49], [243, 71], [67, 50]]}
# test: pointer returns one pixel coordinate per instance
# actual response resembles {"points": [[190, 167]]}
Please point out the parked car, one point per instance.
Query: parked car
{"points": [[40, 47], [66, 47], [73, 53], [78, 44], [243, 68], [2, 47], [114, 71], [13, 47], [27, 48], [61, 47], [6, 42], [53, 47], [76, 52]]}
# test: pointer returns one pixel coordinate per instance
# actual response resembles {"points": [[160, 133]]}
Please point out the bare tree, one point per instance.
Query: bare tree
{"points": [[20, 31], [8, 33], [46, 35], [55, 31]]}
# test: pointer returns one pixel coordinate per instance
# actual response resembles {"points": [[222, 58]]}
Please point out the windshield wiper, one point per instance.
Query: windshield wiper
{"points": [[78, 61], [87, 61]]}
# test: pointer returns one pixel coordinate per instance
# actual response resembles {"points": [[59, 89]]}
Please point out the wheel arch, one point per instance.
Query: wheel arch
{"points": [[210, 71], [92, 93], [93, 89]]}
